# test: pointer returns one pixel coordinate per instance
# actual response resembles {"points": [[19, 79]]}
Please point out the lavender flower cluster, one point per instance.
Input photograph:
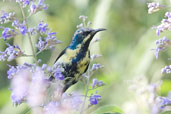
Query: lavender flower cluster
{"points": [[147, 94], [146, 91], [162, 44], [29, 82], [154, 7], [7, 17], [166, 69], [49, 40], [165, 24], [10, 53]]}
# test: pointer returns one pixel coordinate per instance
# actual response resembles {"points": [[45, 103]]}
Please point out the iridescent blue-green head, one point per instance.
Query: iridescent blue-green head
{"points": [[83, 36]]}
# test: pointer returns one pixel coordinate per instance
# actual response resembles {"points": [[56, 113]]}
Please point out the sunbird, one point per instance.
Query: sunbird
{"points": [[75, 58]]}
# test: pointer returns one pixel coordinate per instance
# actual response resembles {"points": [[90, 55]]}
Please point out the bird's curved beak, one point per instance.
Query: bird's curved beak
{"points": [[97, 30], [92, 33], [100, 29]]}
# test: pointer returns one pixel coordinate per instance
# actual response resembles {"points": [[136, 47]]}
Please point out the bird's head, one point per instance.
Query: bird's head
{"points": [[83, 36]]}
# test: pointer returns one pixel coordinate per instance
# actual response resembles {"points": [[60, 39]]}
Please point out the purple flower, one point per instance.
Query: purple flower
{"points": [[72, 100], [11, 72], [8, 33], [154, 7], [41, 44], [19, 86], [39, 7], [16, 24], [58, 74], [44, 66], [157, 50], [68, 104], [23, 30], [28, 84], [33, 9], [162, 44], [52, 108], [24, 3], [100, 83], [14, 70], [32, 31], [97, 83], [94, 56], [155, 109], [22, 27], [10, 53], [17, 100], [168, 15], [2, 56], [7, 17], [94, 99], [165, 24], [38, 89], [166, 69], [4, 16], [42, 27], [49, 69], [165, 102], [96, 67], [158, 31], [49, 42]]}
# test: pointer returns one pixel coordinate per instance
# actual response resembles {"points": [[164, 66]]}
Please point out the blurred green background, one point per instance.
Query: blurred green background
{"points": [[126, 46]]}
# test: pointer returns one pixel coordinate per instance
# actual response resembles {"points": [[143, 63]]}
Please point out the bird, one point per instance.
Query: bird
{"points": [[75, 58]]}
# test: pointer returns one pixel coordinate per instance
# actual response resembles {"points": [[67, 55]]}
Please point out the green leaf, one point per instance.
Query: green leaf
{"points": [[165, 87], [108, 109], [4, 96], [167, 112]]}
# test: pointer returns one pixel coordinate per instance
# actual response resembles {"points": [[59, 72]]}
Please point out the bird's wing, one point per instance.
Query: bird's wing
{"points": [[51, 77], [88, 63], [86, 68], [61, 54]]}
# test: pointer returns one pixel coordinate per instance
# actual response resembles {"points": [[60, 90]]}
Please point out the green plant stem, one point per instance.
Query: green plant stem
{"points": [[38, 52], [93, 88], [27, 111], [87, 89], [29, 35], [27, 56]]}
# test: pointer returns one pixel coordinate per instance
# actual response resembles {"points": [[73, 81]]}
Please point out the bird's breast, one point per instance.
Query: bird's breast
{"points": [[70, 54], [74, 62], [83, 63]]}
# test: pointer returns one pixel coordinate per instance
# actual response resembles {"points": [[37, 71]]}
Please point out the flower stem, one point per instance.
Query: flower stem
{"points": [[29, 35], [27, 56], [87, 89]]}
